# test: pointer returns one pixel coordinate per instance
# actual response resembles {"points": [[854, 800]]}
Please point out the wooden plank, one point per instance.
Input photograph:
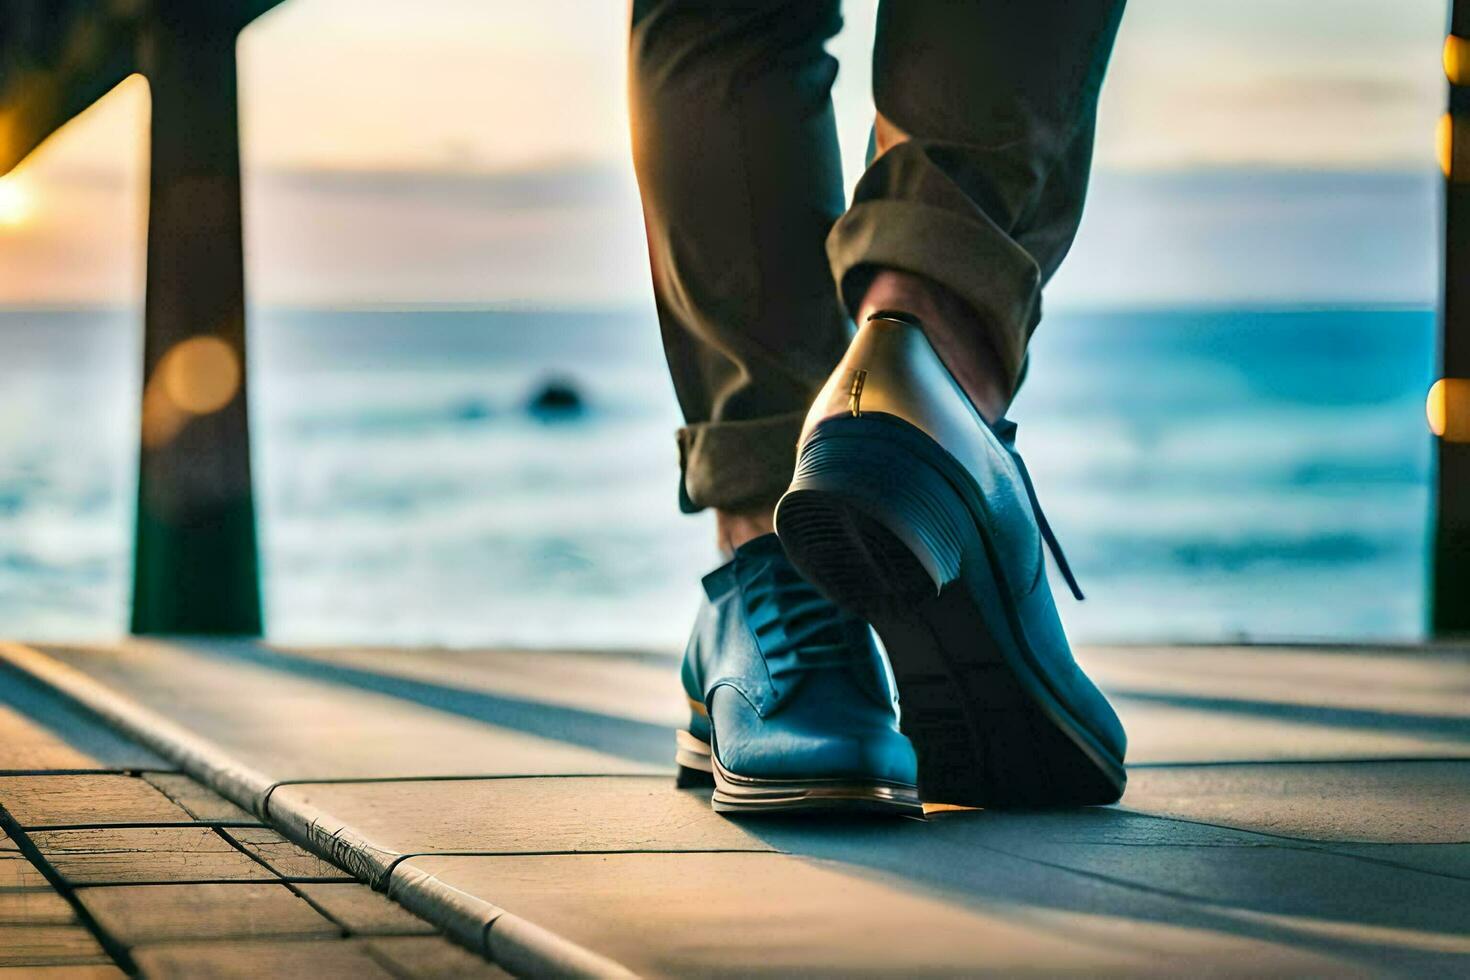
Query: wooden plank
{"points": [[284, 857], [515, 815], [1387, 802], [363, 911], [433, 959], [87, 801], [26, 897], [143, 854], [1431, 681], [201, 802], [95, 972], [1267, 704], [1435, 859], [142, 914], [640, 686], [42, 945], [34, 906], [1110, 858], [17, 874], [41, 730], [298, 728], [773, 914], [26, 745], [276, 959], [1180, 733]]}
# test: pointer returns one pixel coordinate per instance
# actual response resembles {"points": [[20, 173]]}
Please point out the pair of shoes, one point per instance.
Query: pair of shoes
{"points": [[908, 512]]}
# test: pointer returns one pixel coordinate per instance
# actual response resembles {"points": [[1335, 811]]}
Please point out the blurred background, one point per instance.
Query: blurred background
{"points": [[1224, 414]]}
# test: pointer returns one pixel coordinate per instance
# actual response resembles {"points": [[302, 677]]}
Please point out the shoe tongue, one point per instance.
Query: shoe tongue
{"points": [[759, 550], [765, 546]]}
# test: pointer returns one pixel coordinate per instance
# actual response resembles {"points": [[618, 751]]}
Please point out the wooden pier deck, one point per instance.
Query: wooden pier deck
{"points": [[1291, 810]]}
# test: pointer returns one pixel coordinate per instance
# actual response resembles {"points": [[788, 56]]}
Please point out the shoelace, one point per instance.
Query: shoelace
{"points": [[799, 628], [1005, 431]]}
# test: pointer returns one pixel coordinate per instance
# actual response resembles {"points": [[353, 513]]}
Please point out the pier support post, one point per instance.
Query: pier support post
{"points": [[195, 565], [1450, 589]]}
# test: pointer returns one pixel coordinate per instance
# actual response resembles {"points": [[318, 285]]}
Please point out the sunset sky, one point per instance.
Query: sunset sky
{"points": [[468, 152]]}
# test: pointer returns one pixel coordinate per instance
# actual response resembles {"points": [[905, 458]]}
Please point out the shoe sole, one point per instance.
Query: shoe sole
{"points": [[881, 519], [745, 795]]}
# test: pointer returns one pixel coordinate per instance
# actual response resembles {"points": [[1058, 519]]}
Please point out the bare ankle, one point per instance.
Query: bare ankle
{"points": [[953, 328], [735, 528]]}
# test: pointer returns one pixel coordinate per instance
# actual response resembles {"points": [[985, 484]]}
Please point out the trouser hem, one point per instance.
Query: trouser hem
{"points": [[969, 255], [737, 465]]}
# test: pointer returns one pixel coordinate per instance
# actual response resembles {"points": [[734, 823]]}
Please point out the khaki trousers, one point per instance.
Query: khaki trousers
{"points": [[758, 268]]}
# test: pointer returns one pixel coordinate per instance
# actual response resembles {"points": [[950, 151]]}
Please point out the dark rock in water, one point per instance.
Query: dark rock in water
{"points": [[471, 410], [556, 400]]}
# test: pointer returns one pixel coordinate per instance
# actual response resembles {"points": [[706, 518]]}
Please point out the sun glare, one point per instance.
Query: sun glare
{"points": [[15, 202]]}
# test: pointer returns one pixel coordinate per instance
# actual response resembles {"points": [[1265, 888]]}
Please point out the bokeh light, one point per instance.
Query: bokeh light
{"points": [[1448, 409], [17, 201], [200, 375], [195, 377], [1456, 60], [1444, 143]]}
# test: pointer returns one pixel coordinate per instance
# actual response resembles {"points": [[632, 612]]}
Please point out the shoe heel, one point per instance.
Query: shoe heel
{"points": [[868, 522], [686, 778], [695, 766]]}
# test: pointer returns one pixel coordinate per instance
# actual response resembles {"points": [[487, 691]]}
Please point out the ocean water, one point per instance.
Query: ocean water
{"points": [[1216, 474]]}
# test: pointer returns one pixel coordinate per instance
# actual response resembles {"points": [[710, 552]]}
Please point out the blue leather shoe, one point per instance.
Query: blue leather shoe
{"points": [[912, 512], [790, 702]]}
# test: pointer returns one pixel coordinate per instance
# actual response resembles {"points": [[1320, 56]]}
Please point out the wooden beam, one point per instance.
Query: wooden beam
{"points": [[57, 57], [1450, 594], [196, 567]]}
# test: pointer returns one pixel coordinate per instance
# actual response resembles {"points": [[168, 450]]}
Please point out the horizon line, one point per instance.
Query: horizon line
{"points": [[534, 307]]}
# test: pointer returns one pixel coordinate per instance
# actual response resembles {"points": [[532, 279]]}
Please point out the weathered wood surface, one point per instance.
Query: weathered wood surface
{"points": [[363, 911], [365, 717], [277, 959], [202, 803], [431, 959], [19, 876], [25, 745], [506, 816], [26, 898], [412, 957], [635, 685], [1291, 810], [284, 857], [146, 854], [71, 972], [1402, 802], [296, 727], [201, 927], [87, 801], [48, 945], [142, 914], [33, 906], [41, 730], [770, 914]]}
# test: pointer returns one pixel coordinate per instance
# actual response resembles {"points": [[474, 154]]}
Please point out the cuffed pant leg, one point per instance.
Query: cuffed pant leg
{"points": [[999, 99], [735, 148]]}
